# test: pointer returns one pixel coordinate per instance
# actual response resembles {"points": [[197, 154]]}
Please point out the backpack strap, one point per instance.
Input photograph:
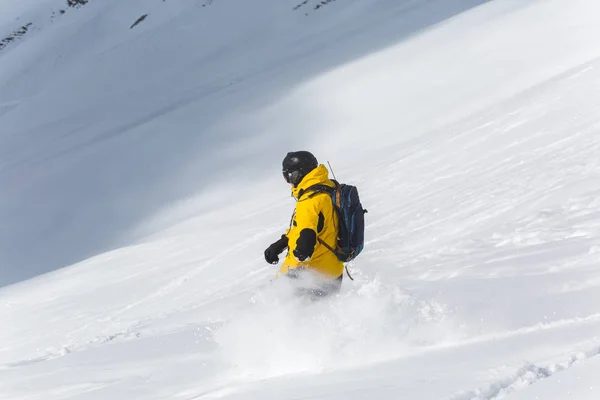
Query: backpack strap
{"points": [[348, 272], [326, 245], [317, 189], [333, 251]]}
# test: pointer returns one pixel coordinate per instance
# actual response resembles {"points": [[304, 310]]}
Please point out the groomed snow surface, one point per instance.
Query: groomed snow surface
{"points": [[140, 183]]}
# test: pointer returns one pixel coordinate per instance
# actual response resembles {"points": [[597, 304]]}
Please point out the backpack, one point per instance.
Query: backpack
{"points": [[351, 234]]}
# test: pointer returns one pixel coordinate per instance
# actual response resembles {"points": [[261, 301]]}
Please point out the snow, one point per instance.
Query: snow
{"points": [[140, 184], [579, 382]]}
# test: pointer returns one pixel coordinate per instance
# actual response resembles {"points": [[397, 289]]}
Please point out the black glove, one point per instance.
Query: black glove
{"points": [[273, 251]]}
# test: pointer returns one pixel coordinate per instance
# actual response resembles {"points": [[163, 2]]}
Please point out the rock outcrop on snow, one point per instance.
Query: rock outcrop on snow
{"points": [[17, 34]]}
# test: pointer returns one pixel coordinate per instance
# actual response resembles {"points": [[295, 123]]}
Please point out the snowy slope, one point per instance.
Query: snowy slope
{"points": [[580, 382], [126, 121], [472, 134]]}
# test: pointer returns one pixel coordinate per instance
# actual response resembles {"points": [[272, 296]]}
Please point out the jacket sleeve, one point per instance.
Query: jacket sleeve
{"points": [[307, 219]]}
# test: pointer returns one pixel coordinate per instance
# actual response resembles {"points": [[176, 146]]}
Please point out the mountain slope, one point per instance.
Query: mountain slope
{"points": [[109, 124], [474, 146]]}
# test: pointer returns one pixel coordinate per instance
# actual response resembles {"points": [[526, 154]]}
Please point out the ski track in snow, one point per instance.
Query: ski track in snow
{"points": [[526, 375]]}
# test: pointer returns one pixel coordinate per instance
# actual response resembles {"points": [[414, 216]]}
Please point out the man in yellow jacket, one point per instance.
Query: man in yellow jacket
{"points": [[313, 228]]}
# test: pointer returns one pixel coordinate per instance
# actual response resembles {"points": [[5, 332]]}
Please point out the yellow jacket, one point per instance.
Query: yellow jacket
{"points": [[314, 219]]}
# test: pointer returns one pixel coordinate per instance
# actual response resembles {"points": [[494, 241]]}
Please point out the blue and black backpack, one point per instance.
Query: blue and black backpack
{"points": [[351, 234]]}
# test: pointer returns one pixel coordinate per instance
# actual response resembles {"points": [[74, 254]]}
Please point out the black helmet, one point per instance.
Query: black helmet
{"points": [[296, 165]]}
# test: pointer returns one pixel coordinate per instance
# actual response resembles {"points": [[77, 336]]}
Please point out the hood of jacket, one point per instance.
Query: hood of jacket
{"points": [[318, 176]]}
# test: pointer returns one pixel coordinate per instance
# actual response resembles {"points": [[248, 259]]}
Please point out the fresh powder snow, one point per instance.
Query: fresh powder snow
{"points": [[140, 182]]}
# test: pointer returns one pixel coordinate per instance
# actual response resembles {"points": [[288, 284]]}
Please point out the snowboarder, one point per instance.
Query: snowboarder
{"points": [[314, 224]]}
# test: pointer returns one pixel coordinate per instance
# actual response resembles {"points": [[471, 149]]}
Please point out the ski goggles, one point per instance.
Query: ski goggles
{"points": [[292, 177]]}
